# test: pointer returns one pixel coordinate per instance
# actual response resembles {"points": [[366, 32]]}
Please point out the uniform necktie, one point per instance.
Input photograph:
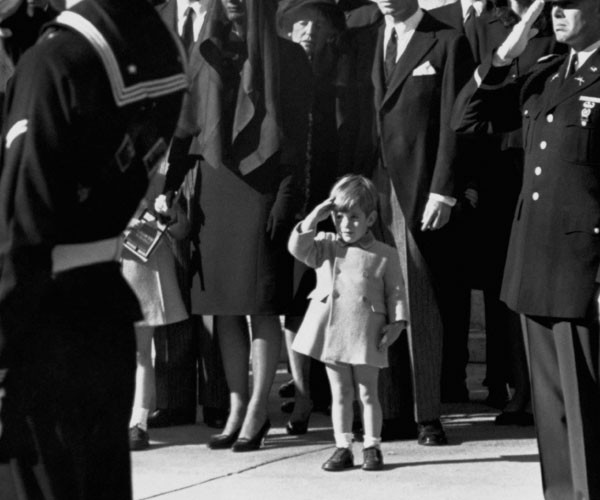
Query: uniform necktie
{"points": [[187, 34], [572, 67], [391, 50]]}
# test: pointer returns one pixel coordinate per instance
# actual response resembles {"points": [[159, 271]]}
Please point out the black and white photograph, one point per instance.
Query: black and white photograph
{"points": [[299, 249]]}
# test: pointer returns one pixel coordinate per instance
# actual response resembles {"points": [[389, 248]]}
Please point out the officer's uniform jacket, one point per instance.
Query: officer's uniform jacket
{"points": [[88, 117], [554, 253], [359, 289]]}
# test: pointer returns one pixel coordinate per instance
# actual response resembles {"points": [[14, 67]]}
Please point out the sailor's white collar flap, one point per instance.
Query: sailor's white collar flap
{"points": [[128, 82]]}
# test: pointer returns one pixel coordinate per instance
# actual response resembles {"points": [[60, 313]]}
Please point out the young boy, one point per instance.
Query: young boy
{"points": [[359, 289]]}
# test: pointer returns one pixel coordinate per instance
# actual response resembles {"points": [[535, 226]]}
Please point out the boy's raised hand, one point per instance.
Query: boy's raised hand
{"points": [[319, 213], [390, 333]]}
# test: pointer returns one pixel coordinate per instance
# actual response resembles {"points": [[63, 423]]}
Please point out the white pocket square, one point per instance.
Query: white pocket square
{"points": [[425, 69]]}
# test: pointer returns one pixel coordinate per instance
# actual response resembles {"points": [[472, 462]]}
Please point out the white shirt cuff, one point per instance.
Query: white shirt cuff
{"points": [[448, 200]]}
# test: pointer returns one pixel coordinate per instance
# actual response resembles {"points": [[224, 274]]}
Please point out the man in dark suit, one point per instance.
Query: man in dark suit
{"points": [[461, 15], [551, 275], [408, 68]]}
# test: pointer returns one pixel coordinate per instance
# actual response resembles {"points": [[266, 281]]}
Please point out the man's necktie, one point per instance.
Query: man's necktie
{"points": [[187, 34], [471, 14], [572, 67], [391, 50]]}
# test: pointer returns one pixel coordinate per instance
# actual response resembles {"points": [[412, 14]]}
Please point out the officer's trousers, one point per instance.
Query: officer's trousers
{"points": [[565, 380]]}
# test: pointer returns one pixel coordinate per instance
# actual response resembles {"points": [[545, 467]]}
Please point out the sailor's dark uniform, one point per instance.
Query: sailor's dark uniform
{"points": [[88, 117]]}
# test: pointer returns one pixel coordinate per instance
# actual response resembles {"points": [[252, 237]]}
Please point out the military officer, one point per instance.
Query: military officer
{"points": [[88, 116], [552, 270]]}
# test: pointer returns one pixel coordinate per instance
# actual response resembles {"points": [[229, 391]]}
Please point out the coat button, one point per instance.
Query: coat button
{"points": [[543, 145], [526, 112], [538, 171], [336, 294], [363, 299], [597, 230], [550, 118], [338, 270], [535, 196]]}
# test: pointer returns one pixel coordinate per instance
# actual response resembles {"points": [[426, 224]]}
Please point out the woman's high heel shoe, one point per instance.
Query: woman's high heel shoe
{"points": [[253, 443], [223, 441]]}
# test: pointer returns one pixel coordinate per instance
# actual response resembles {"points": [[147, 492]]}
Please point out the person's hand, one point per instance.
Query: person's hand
{"points": [[472, 197], [318, 214], [436, 215], [517, 39], [390, 333]]}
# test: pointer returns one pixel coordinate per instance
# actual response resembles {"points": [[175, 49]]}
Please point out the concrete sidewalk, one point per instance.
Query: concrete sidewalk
{"points": [[482, 461]]}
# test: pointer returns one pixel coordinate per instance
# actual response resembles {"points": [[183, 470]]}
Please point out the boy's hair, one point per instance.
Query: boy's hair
{"points": [[355, 190]]}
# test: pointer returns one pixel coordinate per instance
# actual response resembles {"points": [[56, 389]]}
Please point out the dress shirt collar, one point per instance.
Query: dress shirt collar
{"points": [[199, 8], [365, 242], [403, 28], [585, 54]]}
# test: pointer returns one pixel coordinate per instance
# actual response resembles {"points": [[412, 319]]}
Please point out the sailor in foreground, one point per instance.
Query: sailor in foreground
{"points": [[88, 117], [552, 271]]}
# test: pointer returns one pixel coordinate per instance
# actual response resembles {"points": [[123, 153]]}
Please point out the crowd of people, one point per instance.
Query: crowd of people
{"points": [[186, 183]]}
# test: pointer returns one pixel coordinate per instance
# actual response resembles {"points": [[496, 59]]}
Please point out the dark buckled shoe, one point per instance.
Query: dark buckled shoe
{"points": [[432, 434], [372, 458], [341, 459], [138, 438]]}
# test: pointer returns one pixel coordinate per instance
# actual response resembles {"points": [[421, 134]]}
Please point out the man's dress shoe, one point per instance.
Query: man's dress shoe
{"points": [[431, 434]]}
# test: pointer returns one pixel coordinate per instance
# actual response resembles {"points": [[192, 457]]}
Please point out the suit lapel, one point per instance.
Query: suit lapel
{"points": [[588, 74], [377, 72], [168, 12], [420, 44], [457, 17]]}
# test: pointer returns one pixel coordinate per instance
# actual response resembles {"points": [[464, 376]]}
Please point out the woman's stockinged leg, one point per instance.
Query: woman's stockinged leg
{"points": [[235, 351], [266, 347], [366, 378], [342, 396]]}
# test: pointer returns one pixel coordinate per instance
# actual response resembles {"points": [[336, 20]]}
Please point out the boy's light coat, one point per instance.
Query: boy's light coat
{"points": [[359, 289]]}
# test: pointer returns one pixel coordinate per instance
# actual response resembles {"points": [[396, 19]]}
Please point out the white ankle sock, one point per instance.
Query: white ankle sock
{"points": [[343, 440], [370, 441], [139, 417]]}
